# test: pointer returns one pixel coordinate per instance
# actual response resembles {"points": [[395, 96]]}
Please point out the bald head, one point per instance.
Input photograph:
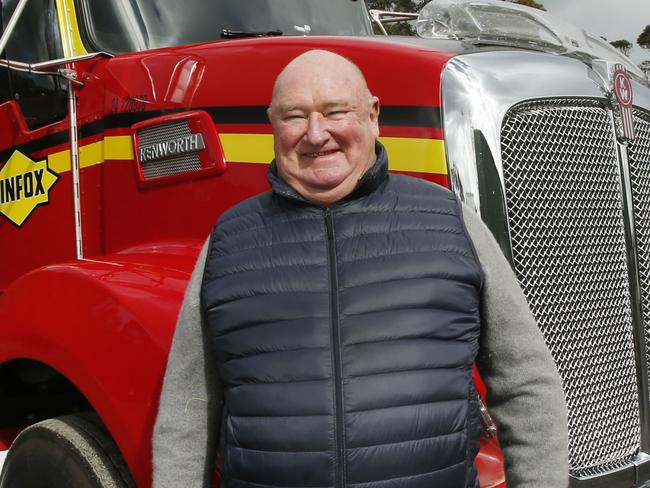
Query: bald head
{"points": [[325, 123], [316, 64]]}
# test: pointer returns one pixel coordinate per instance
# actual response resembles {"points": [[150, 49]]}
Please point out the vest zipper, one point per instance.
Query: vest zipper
{"points": [[336, 352]]}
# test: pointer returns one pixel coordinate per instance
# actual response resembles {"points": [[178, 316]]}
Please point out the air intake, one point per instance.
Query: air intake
{"points": [[179, 145], [564, 204]]}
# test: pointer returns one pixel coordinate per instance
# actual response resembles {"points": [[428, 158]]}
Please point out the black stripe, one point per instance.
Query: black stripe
{"points": [[254, 114], [244, 114], [91, 129], [410, 116], [395, 115], [61, 137], [36, 145], [126, 120]]}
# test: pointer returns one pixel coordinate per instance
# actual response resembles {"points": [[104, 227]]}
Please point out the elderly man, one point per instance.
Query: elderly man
{"points": [[329, 330]]}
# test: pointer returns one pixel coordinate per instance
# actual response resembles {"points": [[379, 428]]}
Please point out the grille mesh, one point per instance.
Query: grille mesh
{"points": [[162, 133], [563, 195], [175, 164], [171, 166], [639, 163]]}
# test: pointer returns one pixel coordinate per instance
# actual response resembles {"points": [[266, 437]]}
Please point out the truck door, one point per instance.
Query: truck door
{"points": [[36, 204]]}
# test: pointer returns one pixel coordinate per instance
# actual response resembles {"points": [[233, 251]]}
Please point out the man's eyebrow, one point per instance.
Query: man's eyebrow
{"points": [[337, 104], [289, 107], [282, 107]]}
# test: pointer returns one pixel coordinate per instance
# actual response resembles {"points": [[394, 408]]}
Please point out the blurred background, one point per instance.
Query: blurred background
{"points": [[623, 23]]}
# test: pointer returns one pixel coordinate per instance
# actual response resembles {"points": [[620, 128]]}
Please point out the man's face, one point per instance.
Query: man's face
{"points": [[325, 125]]}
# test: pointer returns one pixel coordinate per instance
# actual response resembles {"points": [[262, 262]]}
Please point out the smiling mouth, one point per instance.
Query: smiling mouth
{"points": [[321, 153]]}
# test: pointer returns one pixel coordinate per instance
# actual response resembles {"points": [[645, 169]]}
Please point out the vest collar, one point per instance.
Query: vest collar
{"points": [[368, 183]]}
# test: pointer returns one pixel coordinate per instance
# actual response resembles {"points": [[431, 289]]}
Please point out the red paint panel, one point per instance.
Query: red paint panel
{"points": [[253, 64], [244, 128], [189, 209], [489, 464], [46, 236]]}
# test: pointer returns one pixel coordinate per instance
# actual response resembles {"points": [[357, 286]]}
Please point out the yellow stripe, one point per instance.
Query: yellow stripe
{"points": [[91, 154], [71, 38], [405, 154], [59, 162], [419, 155], [247, 148], [118, 147]]}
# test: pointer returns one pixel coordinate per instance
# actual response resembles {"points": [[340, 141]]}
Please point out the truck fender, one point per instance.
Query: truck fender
{"points": [[106, 326]]}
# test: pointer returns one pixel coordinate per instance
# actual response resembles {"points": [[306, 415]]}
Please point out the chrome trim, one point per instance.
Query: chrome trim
{"points": [[44, 66], [12, 24], [52, 67], [477, 91], [488, 423], [74, 162], [635, 291], [380, 16]]}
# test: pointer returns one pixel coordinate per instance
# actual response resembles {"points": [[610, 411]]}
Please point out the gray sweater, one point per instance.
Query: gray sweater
{"points": [[525, 394]]}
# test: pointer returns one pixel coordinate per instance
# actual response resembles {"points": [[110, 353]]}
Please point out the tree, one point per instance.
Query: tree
{"points": [[644, 38], [529, 3], [645, 67], [623, 46], [397, 5], [397, 28], [407, 28]]}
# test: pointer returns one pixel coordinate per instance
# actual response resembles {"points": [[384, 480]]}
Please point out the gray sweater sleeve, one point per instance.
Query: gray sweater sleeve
{"points": [[184, 435], [524, 389]]}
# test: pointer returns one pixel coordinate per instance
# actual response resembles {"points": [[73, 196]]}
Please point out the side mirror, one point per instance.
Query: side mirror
{"points": [[51, 67]]}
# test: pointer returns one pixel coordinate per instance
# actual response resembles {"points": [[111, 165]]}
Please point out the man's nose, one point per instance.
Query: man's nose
{"points": [[317, 133]]}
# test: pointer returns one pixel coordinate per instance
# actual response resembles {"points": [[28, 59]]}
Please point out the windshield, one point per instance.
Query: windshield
{"points": [[134, 25]]}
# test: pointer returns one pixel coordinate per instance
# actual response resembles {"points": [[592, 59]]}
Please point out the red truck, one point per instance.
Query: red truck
{"points": [[126, 128]]}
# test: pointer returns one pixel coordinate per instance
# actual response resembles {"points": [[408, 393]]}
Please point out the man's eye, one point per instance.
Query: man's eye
{"points": [[334, 114], [294, 117]]}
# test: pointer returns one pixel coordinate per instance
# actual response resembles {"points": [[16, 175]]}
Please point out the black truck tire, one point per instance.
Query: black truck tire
{"points": [[73, 451]]}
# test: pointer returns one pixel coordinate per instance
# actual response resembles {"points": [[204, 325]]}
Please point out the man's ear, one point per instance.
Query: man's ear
{"points": [[374, 114], [268, 113]]}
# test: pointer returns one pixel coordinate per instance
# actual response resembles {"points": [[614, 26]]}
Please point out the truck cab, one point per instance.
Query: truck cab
{"points": [[126, 129]]}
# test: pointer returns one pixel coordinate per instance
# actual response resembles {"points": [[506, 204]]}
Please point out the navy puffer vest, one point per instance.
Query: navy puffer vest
{"points": [[345, 337]]}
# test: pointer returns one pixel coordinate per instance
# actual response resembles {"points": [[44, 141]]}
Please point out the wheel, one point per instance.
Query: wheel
{"points": [[74, 451]]}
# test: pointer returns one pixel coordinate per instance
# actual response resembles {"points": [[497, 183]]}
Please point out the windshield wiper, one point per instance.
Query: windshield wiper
{"points": [[234, 34]]}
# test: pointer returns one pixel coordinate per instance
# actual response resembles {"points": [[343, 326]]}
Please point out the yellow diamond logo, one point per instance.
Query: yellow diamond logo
{"points": [[24, 184]]}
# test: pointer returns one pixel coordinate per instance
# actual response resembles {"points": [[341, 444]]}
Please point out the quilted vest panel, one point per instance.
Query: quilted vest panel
{"points": [[345, 338]]}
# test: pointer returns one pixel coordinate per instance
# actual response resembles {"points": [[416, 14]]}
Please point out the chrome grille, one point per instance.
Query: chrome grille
{"points": [[168, 166], [172, 166], [162, 133], [639, 164], [563, 195]]}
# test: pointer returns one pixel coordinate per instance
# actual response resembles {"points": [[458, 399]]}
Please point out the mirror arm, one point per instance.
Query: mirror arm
{"points": [[381, 16], [12, 24], [53, 67], [375, 15]]}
